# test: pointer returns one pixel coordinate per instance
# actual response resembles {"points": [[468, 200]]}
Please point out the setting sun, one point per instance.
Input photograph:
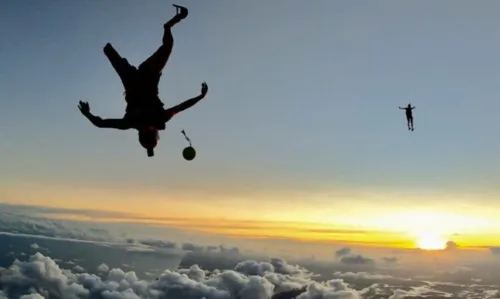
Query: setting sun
{"points": [[431, 241]]}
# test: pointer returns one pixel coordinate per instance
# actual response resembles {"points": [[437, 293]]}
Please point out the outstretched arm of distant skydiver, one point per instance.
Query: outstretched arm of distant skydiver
{"points": [[187, 104], [119, 124], [412, 107]]}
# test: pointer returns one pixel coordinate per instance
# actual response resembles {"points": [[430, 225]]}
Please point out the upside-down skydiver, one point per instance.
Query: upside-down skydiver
{"points": [[409, 116], [145, 111]]}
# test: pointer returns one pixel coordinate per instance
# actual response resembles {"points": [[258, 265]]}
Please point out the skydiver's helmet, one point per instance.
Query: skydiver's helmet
{"points": [[409, 105], [148, 138]]}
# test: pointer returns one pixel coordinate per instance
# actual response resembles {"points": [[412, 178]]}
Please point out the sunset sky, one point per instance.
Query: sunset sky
{"points": [[300, 136]]}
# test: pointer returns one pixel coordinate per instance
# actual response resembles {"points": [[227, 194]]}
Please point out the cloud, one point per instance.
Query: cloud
{"points": [[417, 292], [226, 250], [450, 245], [211, 248], [37, 247], [35, 210], [11, 223], [140, 249], [365, 279], [79, 268], [156, 243], [103, 268], [41, 277], [390, 260], [356, 260], [28, 226], [362, 275], [495, 250], [192, 247], [343, 251]]}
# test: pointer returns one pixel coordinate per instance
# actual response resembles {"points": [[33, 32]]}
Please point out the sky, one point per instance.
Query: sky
{"points": [[301, 120]]}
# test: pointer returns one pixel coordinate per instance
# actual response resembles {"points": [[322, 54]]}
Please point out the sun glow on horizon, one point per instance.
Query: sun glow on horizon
{"points": [[440, 223], [431, 241]]}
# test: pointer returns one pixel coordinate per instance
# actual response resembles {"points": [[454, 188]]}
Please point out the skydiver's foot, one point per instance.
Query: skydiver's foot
{"points": [[182, 13], [107, 48]]}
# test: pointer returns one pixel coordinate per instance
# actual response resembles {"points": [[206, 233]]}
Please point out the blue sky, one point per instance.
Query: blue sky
{"points": [[302, 95]]}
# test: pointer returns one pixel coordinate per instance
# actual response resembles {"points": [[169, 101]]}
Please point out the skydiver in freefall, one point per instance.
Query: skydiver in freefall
{"points": [[144, 111], [409, 116]]}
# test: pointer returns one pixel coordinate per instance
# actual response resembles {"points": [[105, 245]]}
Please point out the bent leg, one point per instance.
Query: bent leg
{"points": [[120, 64], [156, 62]]}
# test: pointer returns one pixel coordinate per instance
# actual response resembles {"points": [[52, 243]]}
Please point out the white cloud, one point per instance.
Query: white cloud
{"points": [[32, 296], [103, 268], [140, 249], [41, 277], [362, 275], [357, 259], [418, 291]]}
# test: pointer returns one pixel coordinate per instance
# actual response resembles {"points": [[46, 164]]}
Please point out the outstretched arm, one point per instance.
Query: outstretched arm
{"points": [[187, 104], [119, 124], [413, 107]]}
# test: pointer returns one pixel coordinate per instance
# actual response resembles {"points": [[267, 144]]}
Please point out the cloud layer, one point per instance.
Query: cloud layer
{"points": [[40, 277]]}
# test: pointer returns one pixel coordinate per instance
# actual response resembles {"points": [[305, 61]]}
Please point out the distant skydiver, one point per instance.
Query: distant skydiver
{"points": [[145, 111], [409, 116]]}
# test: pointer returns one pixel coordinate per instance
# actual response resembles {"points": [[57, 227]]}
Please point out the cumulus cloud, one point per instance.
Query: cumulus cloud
{"points": [[37, 247], [211, 248], [78, 268], [356, 260], [103, 268], [41, 277], [450, 245], [342, 252], [192, 247], [227, 250]]}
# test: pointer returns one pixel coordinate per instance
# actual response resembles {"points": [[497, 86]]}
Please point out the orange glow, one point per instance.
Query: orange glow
{"points": [[315, 219]]}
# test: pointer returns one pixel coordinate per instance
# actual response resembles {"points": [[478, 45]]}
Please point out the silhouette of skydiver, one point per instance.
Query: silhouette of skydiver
{"points": [[409, 116], [144, 111]]}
